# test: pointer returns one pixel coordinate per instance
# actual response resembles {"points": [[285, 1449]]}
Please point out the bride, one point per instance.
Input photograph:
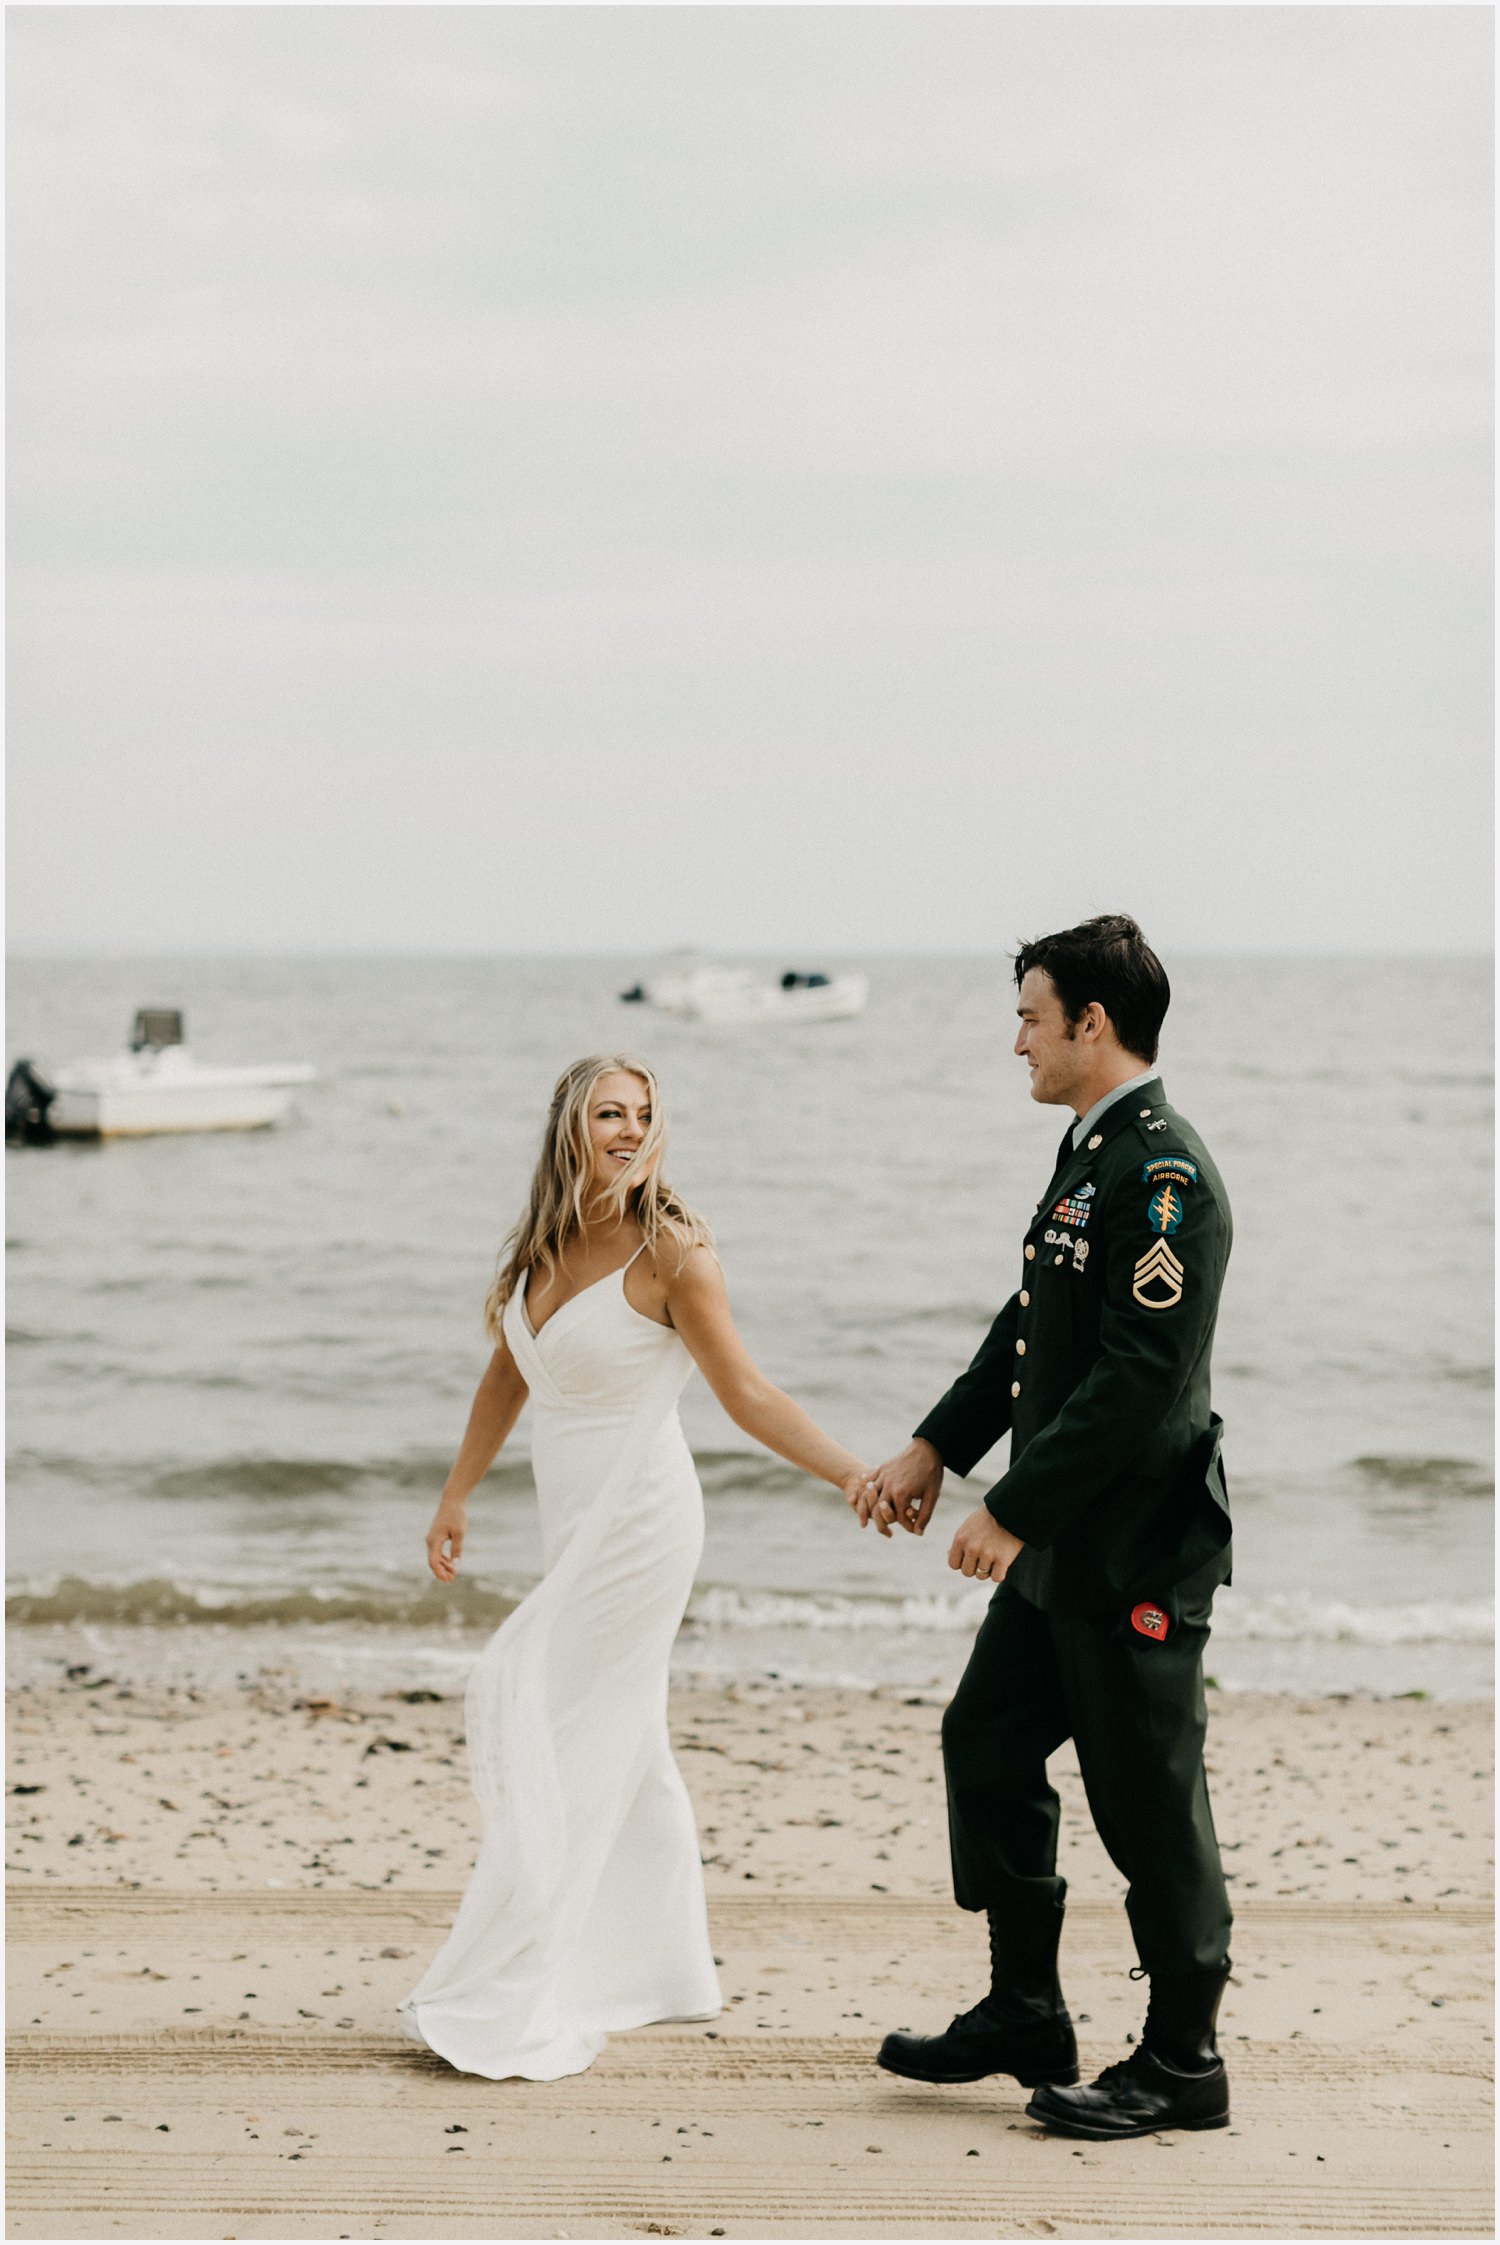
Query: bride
{"points": [[585, 1913]]}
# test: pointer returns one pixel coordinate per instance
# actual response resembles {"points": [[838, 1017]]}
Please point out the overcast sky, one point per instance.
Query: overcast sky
{"points": [[794, 478]]}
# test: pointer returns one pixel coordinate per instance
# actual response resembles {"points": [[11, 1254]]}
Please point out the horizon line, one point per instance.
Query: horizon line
{"points": [[67, 952]]}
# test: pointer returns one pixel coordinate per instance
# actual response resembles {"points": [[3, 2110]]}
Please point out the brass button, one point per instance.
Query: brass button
{"points": [[1015, 1387], [1020, 1348], [1025, 1299], [1145, 1111], [1057, 1258], [1031, 1254], [1096, 1141]]}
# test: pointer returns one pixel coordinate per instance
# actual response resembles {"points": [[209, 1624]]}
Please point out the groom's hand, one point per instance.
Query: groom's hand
{"points": [[905, 1489], [983, 1548]]}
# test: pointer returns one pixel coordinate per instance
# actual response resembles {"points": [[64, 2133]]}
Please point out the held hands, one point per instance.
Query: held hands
{"points": [[445, 1539], [983, 1548], [904, 1489]]}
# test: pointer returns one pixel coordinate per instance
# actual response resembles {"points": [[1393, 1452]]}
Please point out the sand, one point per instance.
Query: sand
{"points": [[216, 1898]]}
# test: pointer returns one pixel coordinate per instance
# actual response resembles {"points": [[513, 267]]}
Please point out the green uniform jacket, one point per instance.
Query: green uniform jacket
{"points": [[1099, 1367]]}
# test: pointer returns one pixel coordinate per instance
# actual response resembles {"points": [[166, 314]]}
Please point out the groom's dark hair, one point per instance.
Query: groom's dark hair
{"points": [[1108, 961]]}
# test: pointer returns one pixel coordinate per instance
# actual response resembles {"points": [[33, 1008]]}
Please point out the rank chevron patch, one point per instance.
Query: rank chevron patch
{"points": [[1158, 1269]]}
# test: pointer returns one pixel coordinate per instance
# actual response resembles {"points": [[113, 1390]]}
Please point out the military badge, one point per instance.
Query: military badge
{"points": [[1073, 1209], [1149, 1620], [1164, 1211], [1080, 1253], [1158, 1279], [1170, 1165]]}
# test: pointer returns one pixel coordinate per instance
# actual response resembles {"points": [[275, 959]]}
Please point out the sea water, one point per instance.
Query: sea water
{"points": [[240, 1364]]}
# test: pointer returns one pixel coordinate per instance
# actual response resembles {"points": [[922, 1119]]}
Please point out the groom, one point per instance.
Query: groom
{"points": [[1106, 1538]]}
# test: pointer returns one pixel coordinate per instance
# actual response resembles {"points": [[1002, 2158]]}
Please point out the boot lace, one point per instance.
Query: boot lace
{"points": [[978, 2018], [1124, 2069]]}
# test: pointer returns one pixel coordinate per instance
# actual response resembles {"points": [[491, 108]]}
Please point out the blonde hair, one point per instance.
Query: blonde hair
{"points": [[560, 1188]]}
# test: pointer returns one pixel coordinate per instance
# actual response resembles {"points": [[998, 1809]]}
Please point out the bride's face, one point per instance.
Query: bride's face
{"points": [[619, 1116]]}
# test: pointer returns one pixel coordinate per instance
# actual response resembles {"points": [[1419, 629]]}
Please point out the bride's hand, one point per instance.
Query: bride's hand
{"points": [[445, 1539], [862, 1495]]}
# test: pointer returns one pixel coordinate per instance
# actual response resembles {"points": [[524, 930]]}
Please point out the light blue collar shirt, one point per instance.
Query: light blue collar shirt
{"points": [[1102, 1106]]}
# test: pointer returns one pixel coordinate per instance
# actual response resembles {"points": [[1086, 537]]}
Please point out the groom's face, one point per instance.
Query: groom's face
{"points": [[1048, 1042]]}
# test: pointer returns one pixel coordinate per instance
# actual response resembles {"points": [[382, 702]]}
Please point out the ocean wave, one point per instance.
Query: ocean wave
{"points": [[1278, 1619], [715, 1611], [295, 1477], [723, 1472], [720, 1471], [1446, 1477], [157, 1602], [1292, 1619], [775, 1610]]}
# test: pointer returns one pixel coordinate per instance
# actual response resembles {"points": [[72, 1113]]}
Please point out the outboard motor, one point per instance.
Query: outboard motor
{"points": [[155, 1028], [28, 1096]]}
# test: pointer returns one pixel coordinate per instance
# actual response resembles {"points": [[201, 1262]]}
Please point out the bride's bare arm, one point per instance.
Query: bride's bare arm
{"points": [[495, 1410], [698, 1305]]}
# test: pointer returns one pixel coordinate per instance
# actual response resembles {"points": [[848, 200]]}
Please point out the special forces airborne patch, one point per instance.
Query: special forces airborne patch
{"points": [[1176, 1166], [1158, 1278]]}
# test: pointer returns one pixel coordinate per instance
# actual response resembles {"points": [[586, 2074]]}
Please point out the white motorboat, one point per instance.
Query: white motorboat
{"points": [[738, 996], [158, 1086]]}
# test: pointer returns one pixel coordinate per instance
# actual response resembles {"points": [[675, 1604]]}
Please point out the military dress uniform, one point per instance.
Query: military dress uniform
{"points": [[1098, 1366]]}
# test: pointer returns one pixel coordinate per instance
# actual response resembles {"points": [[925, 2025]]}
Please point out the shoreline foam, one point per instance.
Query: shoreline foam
{"points": [[1299, 1653]]}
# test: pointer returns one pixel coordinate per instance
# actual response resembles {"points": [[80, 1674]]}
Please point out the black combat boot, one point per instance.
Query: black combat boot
{"points": [[1174, 2079], [1020, 2028]]}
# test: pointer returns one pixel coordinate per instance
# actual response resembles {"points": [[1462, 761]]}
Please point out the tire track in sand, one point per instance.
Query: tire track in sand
{"points": [[1372, 2120]]}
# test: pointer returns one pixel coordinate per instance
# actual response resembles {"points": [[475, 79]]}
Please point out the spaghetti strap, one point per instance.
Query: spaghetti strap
{"points": [[624, 1267]]}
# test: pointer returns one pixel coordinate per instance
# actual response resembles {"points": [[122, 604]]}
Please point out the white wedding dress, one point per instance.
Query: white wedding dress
{"points": [[585, 1913]]}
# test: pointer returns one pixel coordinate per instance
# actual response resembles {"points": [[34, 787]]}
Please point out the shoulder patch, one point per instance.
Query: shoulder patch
{"points": [[1176, 1166], [1164, 1209]]}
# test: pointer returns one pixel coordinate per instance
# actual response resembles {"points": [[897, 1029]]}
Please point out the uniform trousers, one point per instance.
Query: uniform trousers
{"points": [[1134, 1708]]}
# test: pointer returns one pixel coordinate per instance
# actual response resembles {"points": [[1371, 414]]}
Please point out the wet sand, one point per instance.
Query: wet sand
{"points": [[216, 1899]]}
